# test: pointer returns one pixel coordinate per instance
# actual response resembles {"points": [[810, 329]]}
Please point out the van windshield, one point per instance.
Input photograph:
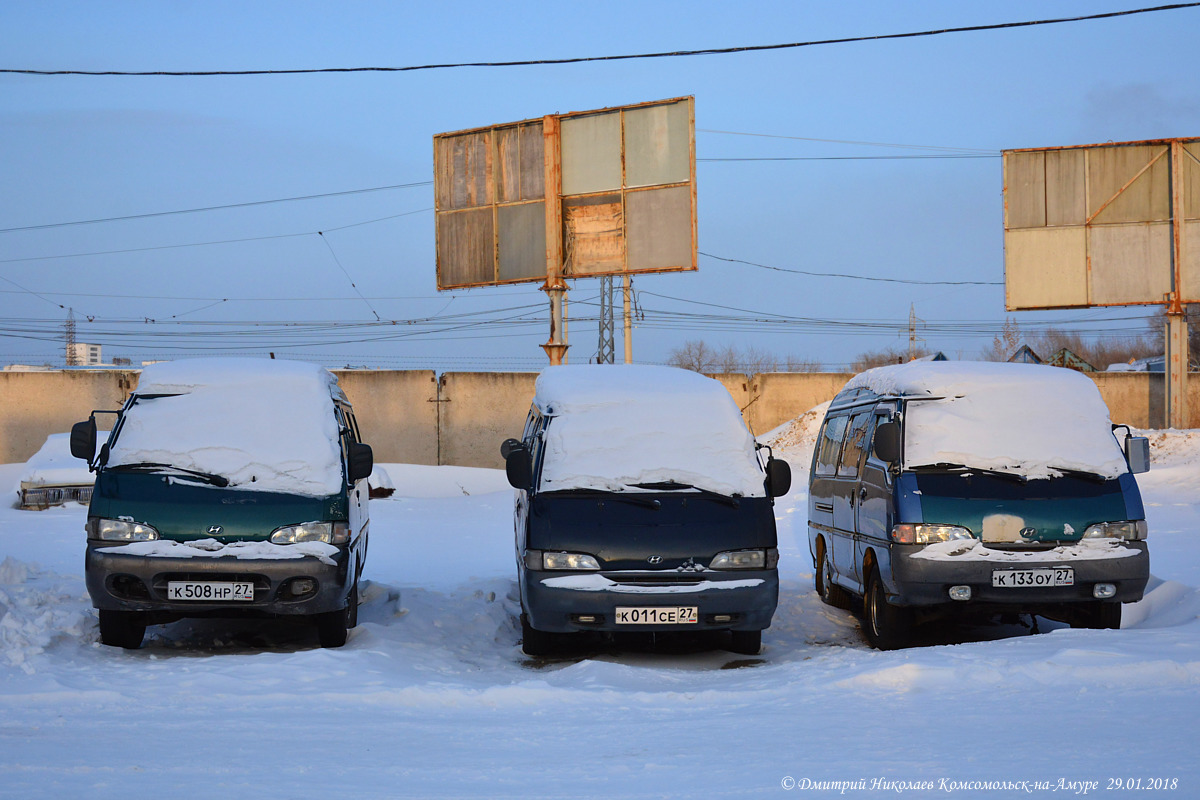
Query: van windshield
{"points": [[273, 431]]}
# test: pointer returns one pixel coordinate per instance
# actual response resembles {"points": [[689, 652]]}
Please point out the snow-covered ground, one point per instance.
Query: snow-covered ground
{"points": [[432, 697]]}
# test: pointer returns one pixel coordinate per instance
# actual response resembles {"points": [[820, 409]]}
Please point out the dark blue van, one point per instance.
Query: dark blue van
{"points": [[643, 505]]}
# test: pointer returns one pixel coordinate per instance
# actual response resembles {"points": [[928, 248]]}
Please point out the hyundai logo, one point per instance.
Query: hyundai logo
{"points": [[1028, 533], [214, 530], [655, 559]]}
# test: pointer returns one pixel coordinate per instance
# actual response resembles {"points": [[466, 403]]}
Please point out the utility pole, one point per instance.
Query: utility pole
{"points": [[627, 287], [72, 360], [606, 350], [913, 319]]}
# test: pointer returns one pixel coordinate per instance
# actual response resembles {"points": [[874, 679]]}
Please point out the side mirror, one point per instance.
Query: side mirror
{"points": [[83, 439], [519, 468], [887, 442], [779, 477], [1137, 454], [507, 446], [361, 461]]}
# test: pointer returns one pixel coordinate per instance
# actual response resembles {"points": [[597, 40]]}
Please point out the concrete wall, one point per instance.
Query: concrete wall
{"points": [[413, 417], [479, 410], [397, 412], [34, 405]]}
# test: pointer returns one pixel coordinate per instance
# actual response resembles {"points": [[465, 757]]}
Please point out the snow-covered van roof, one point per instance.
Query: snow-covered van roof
{"points": [[1028, 419], [266, 425], [616, 426]]}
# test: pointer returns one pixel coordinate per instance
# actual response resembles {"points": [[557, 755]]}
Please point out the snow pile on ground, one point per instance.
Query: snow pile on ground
{"points": [[1027, 419], [615, 426], [53, 465], [432, 696], [36, 608], [799, 434], [266, 425]]}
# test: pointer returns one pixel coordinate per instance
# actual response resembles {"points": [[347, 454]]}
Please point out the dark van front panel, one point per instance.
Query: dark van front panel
{"points": [[625, 533], [183, 511]]}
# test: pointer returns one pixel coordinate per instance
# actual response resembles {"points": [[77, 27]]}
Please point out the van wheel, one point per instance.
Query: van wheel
{"points": [[334, 626], [887, 627], [1099, 615], [535, 642], [121, 629], [830, 592], [352, 615], [747, 643]]}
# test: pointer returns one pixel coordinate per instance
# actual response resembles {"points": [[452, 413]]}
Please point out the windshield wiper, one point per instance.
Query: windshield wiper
{"points": [[1080, 473], [707, 494], [960, 469], [149, 466], [597, 494]]}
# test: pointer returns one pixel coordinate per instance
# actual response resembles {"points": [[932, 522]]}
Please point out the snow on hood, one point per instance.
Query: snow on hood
{"points": [[53, 465], [265, 425], [618, 425], [1027, 419]]}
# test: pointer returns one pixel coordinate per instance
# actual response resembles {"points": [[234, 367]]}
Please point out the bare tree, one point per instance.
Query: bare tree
{"points": [[880, 358], [699, 356], [695, 355], [1005, 343]]}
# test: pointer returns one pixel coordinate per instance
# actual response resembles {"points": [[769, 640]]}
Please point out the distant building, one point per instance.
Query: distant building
{"points": [[1151, 364], [1065, 358], [938, 356], [84, 355], [1025, 355]]}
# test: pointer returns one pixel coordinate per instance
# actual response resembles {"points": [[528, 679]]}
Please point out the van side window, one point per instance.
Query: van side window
{"points": [[831, 444], [856, 442]]}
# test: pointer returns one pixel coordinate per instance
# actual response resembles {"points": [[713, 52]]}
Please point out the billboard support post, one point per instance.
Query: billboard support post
{"points": [[1177, 327], [554, 287], [627, 290]]}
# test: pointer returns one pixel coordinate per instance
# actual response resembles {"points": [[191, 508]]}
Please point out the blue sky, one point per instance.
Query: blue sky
{"points": [[83, 148]]}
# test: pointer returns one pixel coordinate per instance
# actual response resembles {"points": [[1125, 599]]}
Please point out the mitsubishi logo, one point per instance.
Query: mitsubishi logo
{"points": [[214, 530], [655, 559]]}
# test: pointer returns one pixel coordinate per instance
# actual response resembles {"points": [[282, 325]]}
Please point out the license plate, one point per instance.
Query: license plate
{"points": [[1032, 578], [657, 615], [210, 591]]}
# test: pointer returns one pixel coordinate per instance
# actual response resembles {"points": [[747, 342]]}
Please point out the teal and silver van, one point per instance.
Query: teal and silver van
{"points": [[976, 488], [227, 487]]}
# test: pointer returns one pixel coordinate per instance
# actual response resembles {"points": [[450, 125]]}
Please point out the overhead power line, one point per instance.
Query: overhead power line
{"points": [[216, 208], [583, 59], [853, 277]]}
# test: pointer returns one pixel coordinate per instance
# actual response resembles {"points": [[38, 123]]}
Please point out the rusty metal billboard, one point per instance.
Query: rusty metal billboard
{"points": [[590, 193], [1102, 225]]}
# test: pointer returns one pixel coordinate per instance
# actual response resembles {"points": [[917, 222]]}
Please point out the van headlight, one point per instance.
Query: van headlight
{"points": [[328, 532], [746, 559], [1130, 531], [575, 561], [119, 530], [927, 533]]}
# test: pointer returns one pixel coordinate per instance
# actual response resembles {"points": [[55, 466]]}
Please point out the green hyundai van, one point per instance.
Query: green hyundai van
{"points": [[227, 487], [959, 488]]}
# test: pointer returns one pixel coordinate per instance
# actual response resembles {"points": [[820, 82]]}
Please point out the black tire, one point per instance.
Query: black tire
{"points": [[1100, 615], [122, 629], [334, 626], [886, 626], [535, 642], [352, 614], [747, 643], [830, 592]]}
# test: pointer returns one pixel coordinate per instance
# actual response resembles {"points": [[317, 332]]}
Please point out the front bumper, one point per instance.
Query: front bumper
{"points": [[127, 582], [922, 582], [748, 599]]}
